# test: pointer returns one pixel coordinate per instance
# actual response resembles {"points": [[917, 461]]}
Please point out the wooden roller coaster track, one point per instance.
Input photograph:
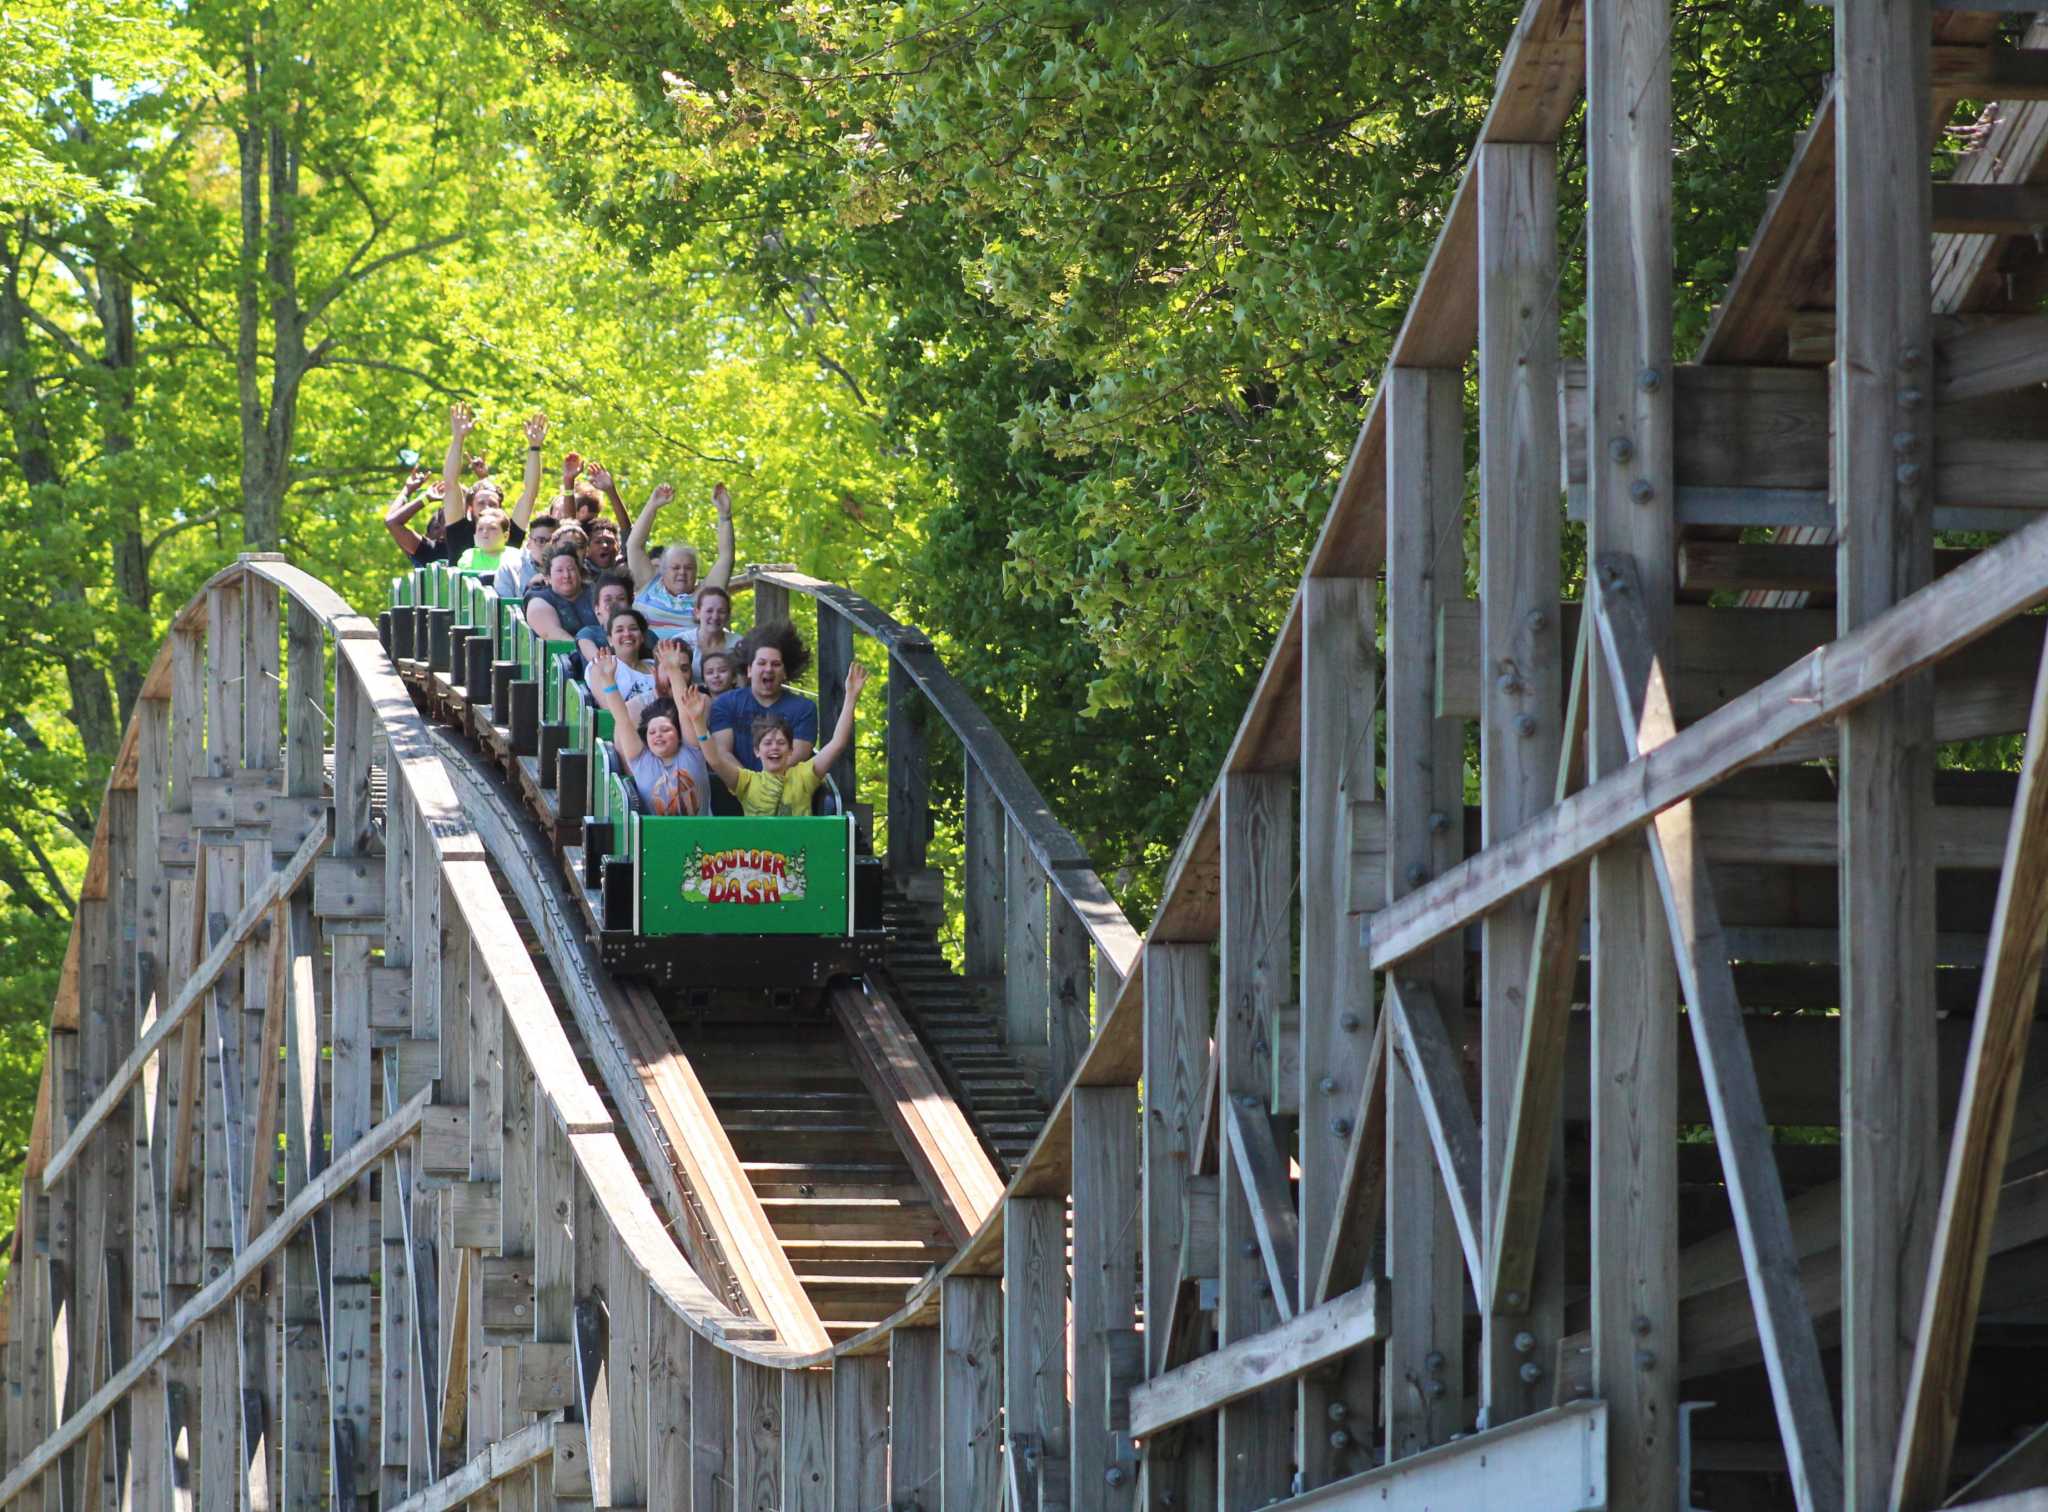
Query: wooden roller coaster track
{"points": [[1385, 1170]]}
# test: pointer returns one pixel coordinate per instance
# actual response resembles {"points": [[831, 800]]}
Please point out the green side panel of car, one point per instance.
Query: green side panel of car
{"points": [[725, 876]]}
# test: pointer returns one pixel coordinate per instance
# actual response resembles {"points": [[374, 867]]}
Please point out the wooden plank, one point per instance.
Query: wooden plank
{"points": [[1305, 1342], [971, 1393], [1262, 1168], [1995, 356], [807, 1440], [1105, 1287], [1339, 757], [1177, 1057], [756, 1435], [834, 652], [219, 1292], [860, 1433], [1364, 1180], [1988, 209], [1035, 1332], [915, 1398], [934, 1132], [627, 1340], [1424, 758], [1522, 684], [1982, 1136], [982, 884], [1068, 1027], [1026, 972], [1253, 1442], [1755, 1195], [1523, 1218], [1883, 342], [226, 948], [711, 1427], [1632, 480], [910, 782]]}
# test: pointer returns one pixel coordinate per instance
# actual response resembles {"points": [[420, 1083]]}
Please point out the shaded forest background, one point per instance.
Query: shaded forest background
{"points": [[1047, 324]]}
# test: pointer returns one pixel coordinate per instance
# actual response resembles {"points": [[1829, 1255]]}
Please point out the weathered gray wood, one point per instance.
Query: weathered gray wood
{"points": [[1423, 1043], [1993, 357], [807, 1440], [1262, 1168], [1253, 1441], [1632, 481], [626, 1333], [914, 1412], [971, 1393], [1177, 979], [1882, 383], [860, 1432], [756, 1435], [1026, 968], [1522, 675], [1035, 1327], [711, 1427], [1068, 1027], [1755, 1195], [910, 779], [1340, 689], [1424, 755], [981, 888], [1105, 1289], [1982, 1137], [834, 653]]}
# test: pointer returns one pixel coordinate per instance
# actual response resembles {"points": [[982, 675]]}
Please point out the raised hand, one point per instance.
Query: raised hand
{"points": [[670, 654], [604, 665], [600, 476], [479, 467], [437, 489], [661, 495], [571, 466], [856, 679], [695, 704], [414, 479], [461, 420], [536, 428], [721, 499]]}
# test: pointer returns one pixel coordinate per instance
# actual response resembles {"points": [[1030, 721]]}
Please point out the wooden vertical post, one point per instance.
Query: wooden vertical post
{"points": [[860, 1433], [834, 656], [148, 1125], [1026, 980], [518, 1230], [971, 1394], [711, 1427], [910, 778], [1254, 1442], [771, 603], [1176, 987], [1882, 471], [1339, 688], [668, 1412], [626, 1305], [1106, 1245], [1425, 809], [1521, 682], [756, 1435], [914, 1417], [303, 1429], [1035, 1332], [982, 887], [1631, 511], [1068, 1027], [807, 1440]]}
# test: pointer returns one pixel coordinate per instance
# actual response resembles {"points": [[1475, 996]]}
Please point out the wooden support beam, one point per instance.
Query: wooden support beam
{"points": [[1425, 778], [1253, 1443], [1989, 209], [1035, 1402], [756, 1435], [807, 1440], [1364, 1180], [1990, 358], [834, 651], [1990, 72], [1262, 1170], [1177, 1059], [1522, 674], [1632, 480], [226, 948], [1431, 1059], [1105, 1286], [970, 1388], [1339, 761], [711, 1426], [1884, 454], [1729, 566], [219, 1292], [1026, 979], [915, 1398], [1313, 1338], [1999, 1034], [860, 1432], [910, 781], [1642, 707], [981, 888]]}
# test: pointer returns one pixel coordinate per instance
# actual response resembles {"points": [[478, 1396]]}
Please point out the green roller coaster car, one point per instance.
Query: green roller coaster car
{"points": [[654, 882]]}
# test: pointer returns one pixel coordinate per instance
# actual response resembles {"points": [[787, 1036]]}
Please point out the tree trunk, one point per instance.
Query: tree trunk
{"points": [[131, 559]]}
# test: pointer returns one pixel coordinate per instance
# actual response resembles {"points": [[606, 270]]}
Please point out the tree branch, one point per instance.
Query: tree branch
{"points": [[322, 359], [178, 303], [63, 337], [349, 279], [149, 551], [43, 865]]}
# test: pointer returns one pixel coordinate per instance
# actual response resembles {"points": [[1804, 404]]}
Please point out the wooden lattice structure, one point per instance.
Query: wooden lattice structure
{"points": [[1420, 1155]]}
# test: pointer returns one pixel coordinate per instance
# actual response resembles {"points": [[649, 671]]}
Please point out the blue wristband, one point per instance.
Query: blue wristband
{"points": [[612, 689]]}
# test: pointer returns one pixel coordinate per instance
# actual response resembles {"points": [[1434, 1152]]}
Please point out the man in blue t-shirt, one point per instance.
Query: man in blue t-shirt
{"points": [[734, 712]]}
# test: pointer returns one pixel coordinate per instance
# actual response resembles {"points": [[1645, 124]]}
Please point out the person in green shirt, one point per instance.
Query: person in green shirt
{"points": [[493, 531], [780, 787]]}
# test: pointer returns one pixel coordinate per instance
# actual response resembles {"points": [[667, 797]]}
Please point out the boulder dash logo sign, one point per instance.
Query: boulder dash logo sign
{"points": [[748, 876]]}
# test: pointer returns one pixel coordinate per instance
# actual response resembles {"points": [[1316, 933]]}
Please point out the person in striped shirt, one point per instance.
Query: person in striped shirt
{"points": [[667, 590]]}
